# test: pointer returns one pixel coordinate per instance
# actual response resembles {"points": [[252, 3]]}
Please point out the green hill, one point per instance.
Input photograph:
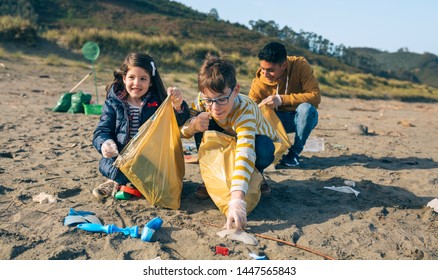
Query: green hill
{"points": [[179, 37], [419, 68]]}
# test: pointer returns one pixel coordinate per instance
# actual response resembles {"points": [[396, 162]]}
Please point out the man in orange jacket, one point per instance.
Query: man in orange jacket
{"points": [[287, 84]]}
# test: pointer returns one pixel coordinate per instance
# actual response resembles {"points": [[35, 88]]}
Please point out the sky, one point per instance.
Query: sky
{"points": [[386, 25]]}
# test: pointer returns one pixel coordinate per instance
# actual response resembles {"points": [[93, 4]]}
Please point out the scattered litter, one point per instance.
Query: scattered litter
{"points": [[78, 217], [405, 123], [133, 231], [222, 251], [45, 198], [339, 147], [150, 228], [314, 144], [350, 183], [108, 229], [238, 235], [358, 129], [345, 189], [189, 148], [257, 257], [433, 204], [191, 158]]}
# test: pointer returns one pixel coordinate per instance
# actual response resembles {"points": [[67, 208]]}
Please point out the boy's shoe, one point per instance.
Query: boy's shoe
{"points": [[290, 160], [201, 192], [265, 189], [107, 189]]}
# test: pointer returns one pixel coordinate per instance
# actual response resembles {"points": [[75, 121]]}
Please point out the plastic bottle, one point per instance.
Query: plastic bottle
{"points": [[150, 228], [108, 229]]}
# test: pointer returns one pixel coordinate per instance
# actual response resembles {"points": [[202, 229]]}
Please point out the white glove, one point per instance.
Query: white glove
{"points": [[109, 149], [236, 213]]}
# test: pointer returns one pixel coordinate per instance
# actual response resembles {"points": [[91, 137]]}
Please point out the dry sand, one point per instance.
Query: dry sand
{"points": [[395, 167]]}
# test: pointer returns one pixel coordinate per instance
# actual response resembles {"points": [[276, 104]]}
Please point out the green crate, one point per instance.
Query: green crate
{"points": [[93, 109]]}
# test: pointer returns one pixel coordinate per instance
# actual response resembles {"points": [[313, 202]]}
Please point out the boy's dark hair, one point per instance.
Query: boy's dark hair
{"points": [[139, 60], [273, 52], [216, 74]]}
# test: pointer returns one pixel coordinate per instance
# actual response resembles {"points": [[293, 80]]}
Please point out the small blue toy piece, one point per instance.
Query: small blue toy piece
{"points": [[108, 229], [150, 228]]}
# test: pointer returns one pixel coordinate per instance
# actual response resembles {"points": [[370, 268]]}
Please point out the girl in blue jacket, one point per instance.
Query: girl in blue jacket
{"points": [[132, 98]]}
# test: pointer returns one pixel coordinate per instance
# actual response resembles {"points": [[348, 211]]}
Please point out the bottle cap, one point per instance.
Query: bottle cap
{"points": [[155, 223], [122, 195], [147, 233]]}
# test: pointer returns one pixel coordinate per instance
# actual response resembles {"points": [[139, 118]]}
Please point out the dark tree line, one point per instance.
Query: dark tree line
{"points": [[314, 43], [18, 8], [308, 40]]}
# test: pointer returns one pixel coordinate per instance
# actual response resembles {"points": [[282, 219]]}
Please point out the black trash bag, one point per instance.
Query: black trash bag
{"points": [[64, 103], [77, 101]]}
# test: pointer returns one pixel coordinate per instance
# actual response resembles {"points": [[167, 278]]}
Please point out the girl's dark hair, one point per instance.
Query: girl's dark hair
{"points": [[216, 74], [147, 63], [274, 53]]}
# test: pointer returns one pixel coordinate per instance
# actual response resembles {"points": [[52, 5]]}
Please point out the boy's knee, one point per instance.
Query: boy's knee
{"points": [[264, 151]]}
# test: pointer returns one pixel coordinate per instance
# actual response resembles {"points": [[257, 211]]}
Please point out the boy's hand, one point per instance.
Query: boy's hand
{"points": [[272, 101], [200, 122], [109, 149], [236, 214], [176, 97]]}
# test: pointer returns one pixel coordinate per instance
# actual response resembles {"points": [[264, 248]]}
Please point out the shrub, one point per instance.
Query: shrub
{"points": [[17, 29], [198, 51]]}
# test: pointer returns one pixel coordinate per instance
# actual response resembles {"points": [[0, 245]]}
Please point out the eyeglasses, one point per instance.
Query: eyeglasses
{"points": [[219, 100]]}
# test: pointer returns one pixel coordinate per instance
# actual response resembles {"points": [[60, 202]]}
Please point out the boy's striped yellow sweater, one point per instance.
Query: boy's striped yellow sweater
{"points": [[245, 121]]}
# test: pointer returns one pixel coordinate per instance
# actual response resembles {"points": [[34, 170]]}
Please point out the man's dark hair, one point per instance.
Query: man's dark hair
{"points": [[273, 52]]}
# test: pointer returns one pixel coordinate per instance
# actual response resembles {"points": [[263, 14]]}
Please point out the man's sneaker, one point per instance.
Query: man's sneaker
{"points": [[290, 160]]}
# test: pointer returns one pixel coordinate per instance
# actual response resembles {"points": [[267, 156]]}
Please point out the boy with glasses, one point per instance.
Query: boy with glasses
{"points": [[219, 106]]}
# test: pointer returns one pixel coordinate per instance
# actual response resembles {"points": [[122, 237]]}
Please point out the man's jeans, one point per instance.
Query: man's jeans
{"points": [[302, 122]]}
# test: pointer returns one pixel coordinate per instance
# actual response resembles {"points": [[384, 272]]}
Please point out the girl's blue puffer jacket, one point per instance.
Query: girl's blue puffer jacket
{"points": [[114, 122]]}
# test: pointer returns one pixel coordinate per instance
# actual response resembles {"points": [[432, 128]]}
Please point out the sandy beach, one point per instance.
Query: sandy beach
{"points": [[388, 148]]}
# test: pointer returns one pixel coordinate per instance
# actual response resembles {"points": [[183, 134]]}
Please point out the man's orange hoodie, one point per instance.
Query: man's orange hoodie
{"points": [[302, 85]]}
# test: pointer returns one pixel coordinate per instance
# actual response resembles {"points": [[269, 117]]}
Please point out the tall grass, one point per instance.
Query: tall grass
{"points": [[111, 41], [198, 51], [17, 29], [367, 86]]}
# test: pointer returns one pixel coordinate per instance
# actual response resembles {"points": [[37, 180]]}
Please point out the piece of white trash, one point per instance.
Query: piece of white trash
{"points": [[344, 189], [257, 257], [238, 235], [433, 204], [350, 183], [45, 198], [314, 144]]}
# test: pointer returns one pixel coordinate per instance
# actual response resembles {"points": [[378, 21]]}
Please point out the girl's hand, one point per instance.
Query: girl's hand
{"points": [[109, 149], [176, 97]]}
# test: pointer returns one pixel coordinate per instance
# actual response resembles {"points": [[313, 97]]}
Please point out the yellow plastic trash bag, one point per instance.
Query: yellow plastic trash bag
{"points": [[153, 160], [274, 121], [216, 162]]}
